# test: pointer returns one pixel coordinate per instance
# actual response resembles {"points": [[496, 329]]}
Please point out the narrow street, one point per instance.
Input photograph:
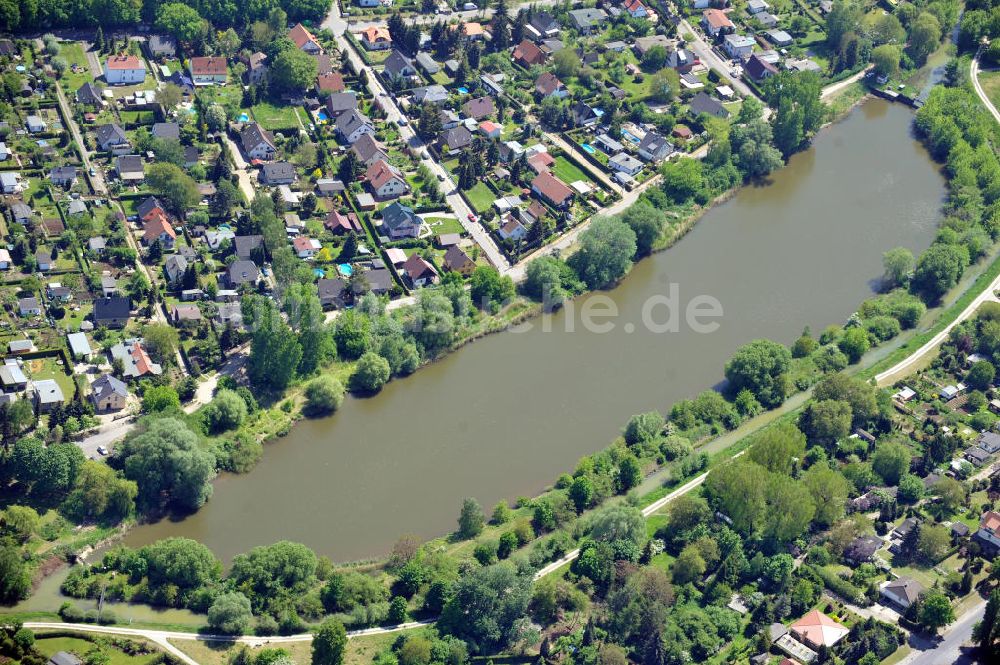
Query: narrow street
{"points": [[711, 59], [96, 180]]}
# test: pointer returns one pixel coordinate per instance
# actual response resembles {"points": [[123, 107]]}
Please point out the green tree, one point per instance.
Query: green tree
{"points": [[897, 263], [762, 368], [644, 428], [827, 421], [933, 543], [925, 35], [682, 179], [273, 575], [324, 395], [372, 372], [790, 508], [329, 643], [181, 21], [471, 519], [488, 609], [605, 254], [173, 186], [100, 494], [15, 579], [938, 269], [689, 566], [489, 290], [778, 447], [885, 59], [581, 493], [226, 411], [890, 461], [647, 222], [230, 613], [854, 343], [911, 488], [18, 522], [981, 375], [292, 71], [936, 611], [737, 490], [829, 490], [160, 398], [168, 465]]}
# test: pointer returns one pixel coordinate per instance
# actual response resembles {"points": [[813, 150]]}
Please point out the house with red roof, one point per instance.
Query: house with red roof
{"points": [[635, 8], [419, 271], [385, 180], [817, 630], [552, 189], [527, 54], [376, 38], [304, 39], [213, 70], [306, 248], [124, 70], [159, 228], [338, 223], [989, 528], [716, 22], [549, 85], [329, 83]]}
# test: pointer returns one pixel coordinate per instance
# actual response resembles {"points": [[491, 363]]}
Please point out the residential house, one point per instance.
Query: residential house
{"points": [[702, 103], [124, 70], [5, 152], [192, 157], [306, 248], [625, 163], [376, 38], [584, 115], [112, 312], [159, 229], [490, 129], [89, 95], [130, 169], [976, 456], [56, 292], [386, 181], [527, 54], [43, 259], [150, 208], [20, 346], [817, 630], [549, 85], [456, 260], [329, 187], [681, 59], [304, 39], [399, 221], [338, 223], [379, 281], [258, 143], [185, 315], [47, 395], [739, 47], [63, 176], [212, 70], [510, 151], [419, 271], [427, 63], [756, 6], [5, 259], [241, 272], [256, 68], [759, 69], [339, 103], [135, 360], [34, 124], [10, 182], [901, 592], [862, 549], [368, 151], [108, 393], [989, 441], [542, 26], [655, 148], [277, 173], [715, 22], [333, 293], [989, 528], [29, 306], [12, 376], [479, 108], [398, 67], [331, 82], [493, 82], [352, 125], [779, 38], [161, 46], [473, 32], [112, 138], [430, 94], [541, 162], [512, 229], [79, 346], [77, 207], [608, 144], [174, 268], [249, 247], [109, 286], [586, 19], [21, 213], [643, 45], [636, 9], [552, 189], [455, 139]]}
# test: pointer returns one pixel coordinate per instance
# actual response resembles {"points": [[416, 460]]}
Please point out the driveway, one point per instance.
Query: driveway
{"points": [[711, 59], [953, 648]]}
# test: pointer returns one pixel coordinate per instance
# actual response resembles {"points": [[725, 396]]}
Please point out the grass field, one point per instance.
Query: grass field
{"points": [[481, 197], [48, 368], [568, 172], [441, 225], [991, 85], [275, 117], [80, 647], [360, 650], [73, 53]]}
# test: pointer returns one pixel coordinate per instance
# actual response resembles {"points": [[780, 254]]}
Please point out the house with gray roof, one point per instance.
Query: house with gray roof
{"points": [[654, 147], [586, 19], [399, 221], [398, 67], [79, 346], [340, 102], [352, 125], [257, 142], [108, 393], [277, 173], [89, 95], [47, 395], [430, 94], [455, 139], [427, 63], [113, 139], [242, 272], [174, 268]]}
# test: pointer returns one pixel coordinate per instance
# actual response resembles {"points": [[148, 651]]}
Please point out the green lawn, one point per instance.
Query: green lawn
{"points": [[73, 53], [48, 368], [52, 645], [568, 172], [275, 117], [441, 225], [991, 85], [481, 197]]}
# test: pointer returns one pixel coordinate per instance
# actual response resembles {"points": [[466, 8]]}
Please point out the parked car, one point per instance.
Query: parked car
{"points": [[101, 450]]}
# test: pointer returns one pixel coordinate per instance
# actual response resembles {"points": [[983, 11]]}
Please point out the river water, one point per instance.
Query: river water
{"points": [[504, 416]]}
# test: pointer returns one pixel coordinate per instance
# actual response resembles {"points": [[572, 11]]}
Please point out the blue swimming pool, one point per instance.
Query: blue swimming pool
{"points": [[319, 272], [345, 269], [589, 148], [631, 137], [244, 117], [463, 90], [322, 116]]}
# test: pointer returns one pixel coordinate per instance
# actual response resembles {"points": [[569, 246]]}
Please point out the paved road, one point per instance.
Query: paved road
{"points": [[834, 88], [241, 168], [711, 59], [600, 174], [96, 180], [395, 116], [904, 366], [974, 75], [952, 648]]}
